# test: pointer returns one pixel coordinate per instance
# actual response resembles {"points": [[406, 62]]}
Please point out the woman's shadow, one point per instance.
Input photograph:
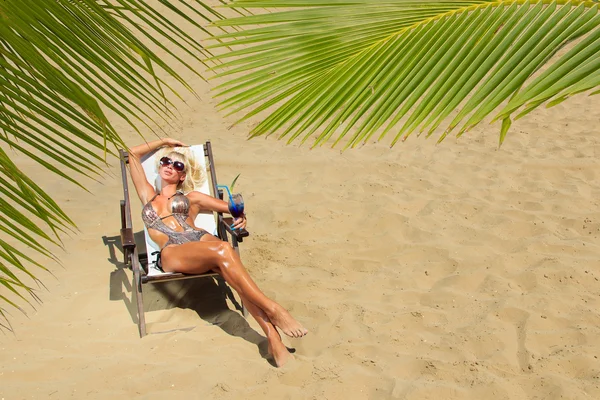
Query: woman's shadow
{"points": [[207, 296]]}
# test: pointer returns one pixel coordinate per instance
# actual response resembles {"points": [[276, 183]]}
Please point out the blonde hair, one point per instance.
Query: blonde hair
{"points": [[194, 174]]}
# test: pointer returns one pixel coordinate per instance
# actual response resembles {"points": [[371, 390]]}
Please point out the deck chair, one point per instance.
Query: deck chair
{"points": [[143, 262]]}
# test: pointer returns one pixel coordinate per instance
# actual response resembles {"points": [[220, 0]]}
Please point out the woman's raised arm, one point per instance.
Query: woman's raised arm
{"points": [[143, 188]]}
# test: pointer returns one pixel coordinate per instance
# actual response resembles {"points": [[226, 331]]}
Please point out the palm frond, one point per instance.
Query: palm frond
{"points": [[62, 65], [399, 66]]}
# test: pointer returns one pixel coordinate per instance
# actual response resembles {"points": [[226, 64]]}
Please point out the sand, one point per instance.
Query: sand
{"points": [[456, 271]]}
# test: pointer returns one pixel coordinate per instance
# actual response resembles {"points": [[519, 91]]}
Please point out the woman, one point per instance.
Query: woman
{"points": [[169, 215]]}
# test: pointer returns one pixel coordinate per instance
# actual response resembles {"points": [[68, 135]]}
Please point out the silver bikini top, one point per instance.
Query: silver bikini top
{"points": [[180, 210]]}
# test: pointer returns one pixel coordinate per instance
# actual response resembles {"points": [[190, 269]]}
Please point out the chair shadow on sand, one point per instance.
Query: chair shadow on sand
{"points": [[206, 296]]}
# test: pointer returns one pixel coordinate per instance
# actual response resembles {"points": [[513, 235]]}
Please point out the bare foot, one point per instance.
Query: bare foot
{"points": [[280, 353], [282, 319]]}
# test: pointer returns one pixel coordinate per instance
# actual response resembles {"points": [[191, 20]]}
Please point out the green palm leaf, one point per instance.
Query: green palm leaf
{"points": [[62, 65], [401, 66]]}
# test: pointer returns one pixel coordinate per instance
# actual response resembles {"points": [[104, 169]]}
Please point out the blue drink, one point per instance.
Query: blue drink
{"points": [[236, 205]]}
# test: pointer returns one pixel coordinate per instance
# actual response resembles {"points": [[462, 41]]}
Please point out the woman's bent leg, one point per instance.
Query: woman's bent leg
{"points": [[211, 255], [277, 349]]}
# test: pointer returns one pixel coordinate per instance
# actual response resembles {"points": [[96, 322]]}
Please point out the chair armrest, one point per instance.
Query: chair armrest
{"points": [[239, 234], [127, 239]]}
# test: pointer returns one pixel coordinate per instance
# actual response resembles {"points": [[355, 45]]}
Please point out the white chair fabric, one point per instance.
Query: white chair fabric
{"points": [[203, 220]]}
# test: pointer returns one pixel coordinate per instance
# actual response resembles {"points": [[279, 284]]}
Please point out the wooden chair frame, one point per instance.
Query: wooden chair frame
{"points": [[135, 260]]}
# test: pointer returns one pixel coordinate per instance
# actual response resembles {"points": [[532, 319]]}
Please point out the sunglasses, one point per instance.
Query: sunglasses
{"points": [[177, 165]]}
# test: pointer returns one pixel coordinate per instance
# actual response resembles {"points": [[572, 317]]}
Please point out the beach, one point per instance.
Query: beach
{"points": [[423, 271]]}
